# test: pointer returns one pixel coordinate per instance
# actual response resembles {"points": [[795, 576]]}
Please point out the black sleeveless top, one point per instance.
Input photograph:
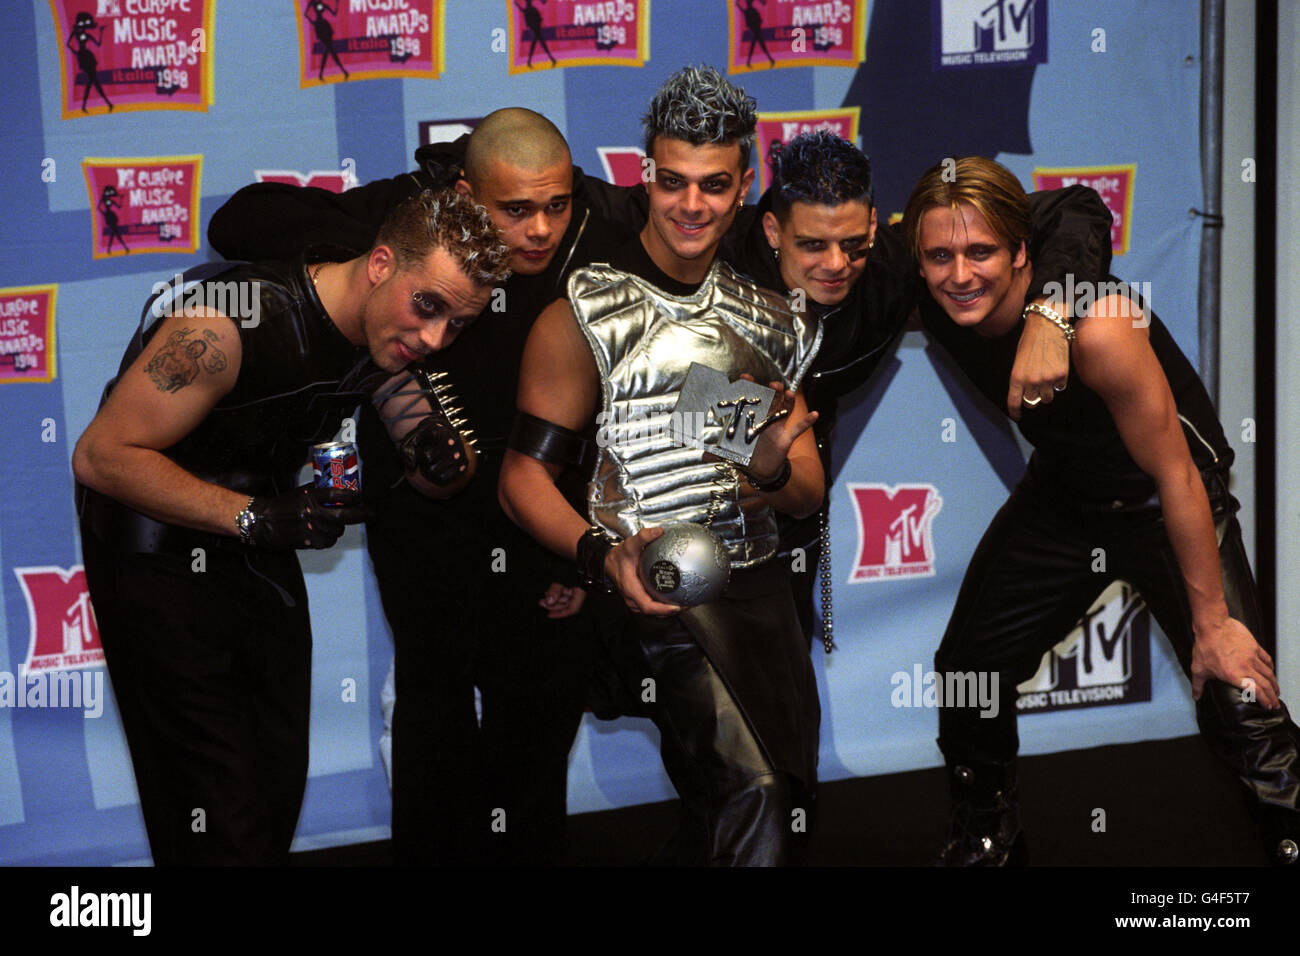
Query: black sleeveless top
{"points": [[1077, 446], [298, 378]]}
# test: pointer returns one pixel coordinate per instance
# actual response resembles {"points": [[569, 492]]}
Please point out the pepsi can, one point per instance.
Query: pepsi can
{"points": [[336, 471]]}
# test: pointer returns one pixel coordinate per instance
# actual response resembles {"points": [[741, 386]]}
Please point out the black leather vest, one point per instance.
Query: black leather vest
{"points": [[298, 378]]}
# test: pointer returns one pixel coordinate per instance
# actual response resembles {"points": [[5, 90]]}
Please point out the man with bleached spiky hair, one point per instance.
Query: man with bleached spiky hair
{"points": [[728, 683]]}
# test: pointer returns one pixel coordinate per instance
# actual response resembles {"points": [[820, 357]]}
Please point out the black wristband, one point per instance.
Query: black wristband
{"points": [[593, 547], [777, 483]]}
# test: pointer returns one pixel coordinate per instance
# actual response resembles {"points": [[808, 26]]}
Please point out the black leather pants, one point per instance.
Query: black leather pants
{"points": [[1032, 578], [738, 806], [736, 803]]}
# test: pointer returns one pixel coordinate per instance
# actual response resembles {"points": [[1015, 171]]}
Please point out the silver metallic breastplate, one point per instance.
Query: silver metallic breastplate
{"points": [[644, 341]]}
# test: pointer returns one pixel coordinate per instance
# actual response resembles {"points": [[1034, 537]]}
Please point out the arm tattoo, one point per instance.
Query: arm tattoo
{"points": [[177, 362]]}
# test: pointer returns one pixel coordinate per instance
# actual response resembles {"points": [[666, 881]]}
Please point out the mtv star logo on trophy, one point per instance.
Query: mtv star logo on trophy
{"points": [[720, 416]]}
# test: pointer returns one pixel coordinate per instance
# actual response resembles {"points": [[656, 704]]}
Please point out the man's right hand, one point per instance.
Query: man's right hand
{"points": [[297, 519], [1227, 651], [623, 568], [1042, 365]]}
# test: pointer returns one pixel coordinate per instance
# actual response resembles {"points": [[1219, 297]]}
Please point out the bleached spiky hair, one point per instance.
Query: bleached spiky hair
{"points": [[448, 220], [698, 105]]}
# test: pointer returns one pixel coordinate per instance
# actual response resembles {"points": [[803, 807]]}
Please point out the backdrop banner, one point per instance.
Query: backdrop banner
{"points": [[130, 128]]}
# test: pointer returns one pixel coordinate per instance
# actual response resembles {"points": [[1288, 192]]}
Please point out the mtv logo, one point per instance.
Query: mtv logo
{"points": [[126, 178], [1101, 644], [332, 180], [997, 27], [64, 633], [109, 8], [720, 416], [894, 530], [622, 164]]}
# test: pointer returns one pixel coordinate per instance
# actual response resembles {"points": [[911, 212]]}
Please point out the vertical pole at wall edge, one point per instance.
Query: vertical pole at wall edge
{"points": [[1266, 193], [1212, 189]]}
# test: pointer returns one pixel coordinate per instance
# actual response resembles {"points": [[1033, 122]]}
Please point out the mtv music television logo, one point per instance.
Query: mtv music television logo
{"points": [[894, 524], [983, 33], [64, 634], [1105, 659]]}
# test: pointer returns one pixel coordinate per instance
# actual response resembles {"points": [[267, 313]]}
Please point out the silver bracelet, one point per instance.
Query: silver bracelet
{"points": [[1051, 315]]}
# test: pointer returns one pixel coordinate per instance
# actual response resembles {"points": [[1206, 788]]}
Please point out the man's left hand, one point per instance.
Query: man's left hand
{"points": [[436, 450], [773, 445]]}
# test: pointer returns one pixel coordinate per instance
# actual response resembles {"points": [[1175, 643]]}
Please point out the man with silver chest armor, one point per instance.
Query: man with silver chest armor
{"points": [[728, 683]]}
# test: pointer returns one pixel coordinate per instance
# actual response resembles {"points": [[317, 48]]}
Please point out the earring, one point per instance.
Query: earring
{"points": [[776, 253]]}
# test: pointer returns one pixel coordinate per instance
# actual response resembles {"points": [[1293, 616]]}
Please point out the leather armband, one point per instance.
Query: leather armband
{"points": [[546, 441]]}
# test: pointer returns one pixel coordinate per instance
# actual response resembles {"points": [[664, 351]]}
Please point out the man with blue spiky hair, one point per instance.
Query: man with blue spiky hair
{"points": [[815, 234], [728, 683]]}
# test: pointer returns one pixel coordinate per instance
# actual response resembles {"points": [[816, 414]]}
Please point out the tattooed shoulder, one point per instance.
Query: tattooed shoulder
{"points": [[214, 360], [178, 360]]}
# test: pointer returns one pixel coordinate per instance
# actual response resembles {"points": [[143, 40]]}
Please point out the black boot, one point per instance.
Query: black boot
{"points": [[1280, 828], [985, 817], [1286, 853]]}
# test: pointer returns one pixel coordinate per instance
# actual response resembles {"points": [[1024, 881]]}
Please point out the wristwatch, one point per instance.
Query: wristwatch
{"points": [[244, 522]]}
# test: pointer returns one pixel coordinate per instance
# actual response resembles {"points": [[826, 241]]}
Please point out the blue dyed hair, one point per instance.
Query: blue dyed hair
{"points": [[821, 168]]}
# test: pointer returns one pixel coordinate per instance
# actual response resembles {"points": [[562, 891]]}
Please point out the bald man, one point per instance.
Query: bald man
{"points": [[472, 602]]}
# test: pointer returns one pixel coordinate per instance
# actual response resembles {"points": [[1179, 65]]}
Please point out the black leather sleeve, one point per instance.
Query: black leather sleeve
{"points": [[628, 207], [276, 221], [1071, 234]]}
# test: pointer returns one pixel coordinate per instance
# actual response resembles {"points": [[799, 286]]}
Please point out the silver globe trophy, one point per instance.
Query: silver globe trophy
{"points": [[687, 565]]}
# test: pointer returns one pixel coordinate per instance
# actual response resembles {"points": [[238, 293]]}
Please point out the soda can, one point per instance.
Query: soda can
{"points": [[336, 471]]}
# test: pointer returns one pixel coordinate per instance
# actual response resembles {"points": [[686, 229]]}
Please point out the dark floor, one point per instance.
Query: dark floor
{"points": [[1178, 847], [1156, 804]]}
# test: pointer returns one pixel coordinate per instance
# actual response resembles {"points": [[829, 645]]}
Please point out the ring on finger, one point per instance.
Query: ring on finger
{"points": [[1031, 402]]}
